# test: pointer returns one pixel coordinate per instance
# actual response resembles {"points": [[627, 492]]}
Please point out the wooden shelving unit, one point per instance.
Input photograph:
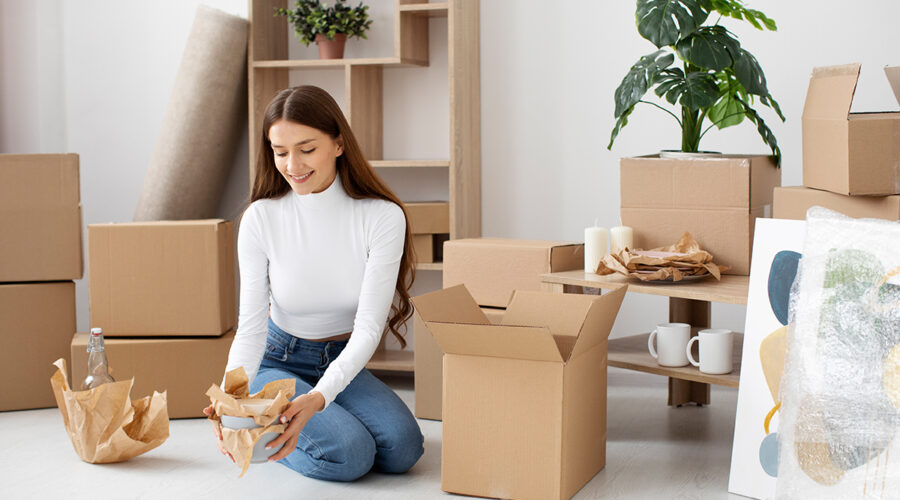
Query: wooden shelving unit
{"points": [[269, 69], [688, 303]]}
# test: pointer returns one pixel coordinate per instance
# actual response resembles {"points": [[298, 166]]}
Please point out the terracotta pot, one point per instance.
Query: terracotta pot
{"points": [[331, 49]]}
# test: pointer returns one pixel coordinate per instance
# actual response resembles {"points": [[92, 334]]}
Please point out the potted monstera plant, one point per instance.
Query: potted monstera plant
{"points": [[715, 83], [328, 26]]}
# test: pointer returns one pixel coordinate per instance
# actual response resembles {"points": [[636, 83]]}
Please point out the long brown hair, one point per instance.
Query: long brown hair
{"points": [[313, 107]]}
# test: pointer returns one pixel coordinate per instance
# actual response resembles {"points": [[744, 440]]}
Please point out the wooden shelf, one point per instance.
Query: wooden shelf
{"points": [[437, 9], [336, 63], [730, 290], [429, 266], [631, 353], [392, 360], [409, 163]]}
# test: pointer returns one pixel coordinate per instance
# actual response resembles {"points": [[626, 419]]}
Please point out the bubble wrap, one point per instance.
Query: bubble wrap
{"points": [[840, 392]]}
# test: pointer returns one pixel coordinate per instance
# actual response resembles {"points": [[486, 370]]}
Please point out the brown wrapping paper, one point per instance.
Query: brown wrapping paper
{"points": [[674, 262], [104, 424], [226, 400]]}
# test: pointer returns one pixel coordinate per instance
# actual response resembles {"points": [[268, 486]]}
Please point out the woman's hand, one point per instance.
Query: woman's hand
{"points": [[302, 408], [218, 432]]}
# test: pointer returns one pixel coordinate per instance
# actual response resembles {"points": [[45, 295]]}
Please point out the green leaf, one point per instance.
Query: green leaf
{"points": [[735, 9], [695, 91], [727, 111], [639, 79], [769, 101], [664, 22], [750, 74], [764, 131], [710, 47], [620, 124]]}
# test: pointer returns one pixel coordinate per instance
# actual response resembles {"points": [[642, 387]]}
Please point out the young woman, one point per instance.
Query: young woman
{"points": [[323, 249]]}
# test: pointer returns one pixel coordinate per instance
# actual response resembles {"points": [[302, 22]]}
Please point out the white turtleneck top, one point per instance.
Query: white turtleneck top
{"points": [[321, 265]]}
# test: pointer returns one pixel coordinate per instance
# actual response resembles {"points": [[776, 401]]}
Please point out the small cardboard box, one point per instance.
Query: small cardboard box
{"points": [[162, 278], [524, 402], [40, 213], [491, 268], [37, 321], [424, 246], [428, 217], [184, 367], [793, 202], [429, 372], [844, 152], [717, 200]]}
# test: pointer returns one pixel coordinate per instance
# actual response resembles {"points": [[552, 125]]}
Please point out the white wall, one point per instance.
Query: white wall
{"points": [[94, 76]]}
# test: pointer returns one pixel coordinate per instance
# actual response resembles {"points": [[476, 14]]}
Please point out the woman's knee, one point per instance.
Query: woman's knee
{"points": [[402, 450], [345, 458]]}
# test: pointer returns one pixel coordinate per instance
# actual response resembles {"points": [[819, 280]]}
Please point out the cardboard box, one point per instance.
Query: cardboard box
{"points": [[184, 367], [40, 213], [844, 152], [37, 321], [429, 374], [428, 217], [491, 268], [717, 200], [162, 278], [793, 202], [524, 401], [424, 246]]}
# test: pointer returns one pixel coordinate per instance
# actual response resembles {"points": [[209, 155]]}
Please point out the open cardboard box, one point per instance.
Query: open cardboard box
{"points": [[844, 152], [524, 402], [793, 202]]}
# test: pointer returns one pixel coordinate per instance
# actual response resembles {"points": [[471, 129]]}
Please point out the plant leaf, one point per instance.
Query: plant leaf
{"points": [[696, 90], [620, 124], [735, 9], [769, 101], [727, 111], [710, 47], [750, 74], [664, 22], [764, 131], [639, 79]]}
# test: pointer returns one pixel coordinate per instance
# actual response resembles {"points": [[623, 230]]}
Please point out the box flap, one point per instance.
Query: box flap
{"points": [[830, 92], [561, 313], [450, 305], [893, 75], [496, 341], [599, 321]]}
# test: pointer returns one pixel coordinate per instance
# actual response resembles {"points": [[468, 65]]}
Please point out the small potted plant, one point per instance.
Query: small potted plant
{"points": [[718, 80], [328, 26]]}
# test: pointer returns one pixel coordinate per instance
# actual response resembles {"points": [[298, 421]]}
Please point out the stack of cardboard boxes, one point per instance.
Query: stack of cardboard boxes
{"points": [[40, 255], [851, 161], [164, 295], [429, 223]]}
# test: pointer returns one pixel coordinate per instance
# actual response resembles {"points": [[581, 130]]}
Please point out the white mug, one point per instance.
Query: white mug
{"points": [[716, 346], [671, 338]]}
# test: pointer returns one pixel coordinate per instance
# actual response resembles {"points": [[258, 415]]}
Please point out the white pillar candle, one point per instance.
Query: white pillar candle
{"points": [[620, 238], [595, 239]]}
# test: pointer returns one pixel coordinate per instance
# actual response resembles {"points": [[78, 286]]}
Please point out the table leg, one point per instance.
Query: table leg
{"points": [[697, 314]]}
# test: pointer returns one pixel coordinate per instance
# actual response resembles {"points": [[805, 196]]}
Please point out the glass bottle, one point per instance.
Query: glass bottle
{"points": [[98, 366]]}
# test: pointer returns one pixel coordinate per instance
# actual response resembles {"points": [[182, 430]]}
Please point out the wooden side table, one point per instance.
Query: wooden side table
{"points": [[688, 303]]}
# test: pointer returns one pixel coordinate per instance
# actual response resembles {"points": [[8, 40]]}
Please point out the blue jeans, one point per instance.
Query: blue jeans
{"points": [[367, 426]]}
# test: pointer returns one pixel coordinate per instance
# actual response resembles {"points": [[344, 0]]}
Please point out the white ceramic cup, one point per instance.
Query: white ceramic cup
{"points": [[671, 340], [716, 346]]}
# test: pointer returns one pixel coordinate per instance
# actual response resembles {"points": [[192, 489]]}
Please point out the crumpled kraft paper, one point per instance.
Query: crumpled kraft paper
{"points": [[226, 401], [104, 424], [684, 258]]}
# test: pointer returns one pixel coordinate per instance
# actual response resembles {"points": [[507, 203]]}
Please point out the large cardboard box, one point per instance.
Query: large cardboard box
{"points": [[429, 371], [717, 200], [37, 321], [793, 202], [184, 367], [424, 247], [428, 217], [524, 401], [491, 268], [40, 216], [162, 278], [844, 152]]}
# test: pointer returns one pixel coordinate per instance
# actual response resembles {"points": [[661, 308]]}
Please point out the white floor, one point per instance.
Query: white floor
{"points": [[653, 451]]}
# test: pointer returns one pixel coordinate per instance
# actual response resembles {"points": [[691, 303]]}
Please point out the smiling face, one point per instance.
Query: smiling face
{"points": [[306, 157]]}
